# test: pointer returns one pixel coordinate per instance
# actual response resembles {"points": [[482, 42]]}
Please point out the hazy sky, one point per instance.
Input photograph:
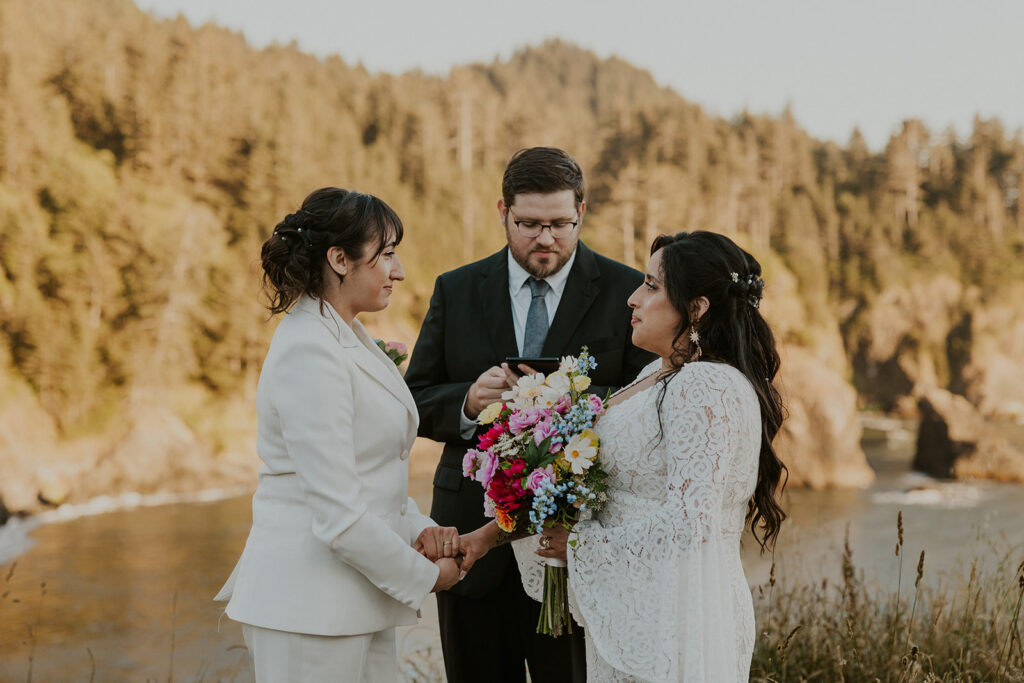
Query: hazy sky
{"points": [[867, 63]]}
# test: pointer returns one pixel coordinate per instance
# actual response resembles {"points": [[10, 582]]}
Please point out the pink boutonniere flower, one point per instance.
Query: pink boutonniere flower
{"points": [[396, 351]]}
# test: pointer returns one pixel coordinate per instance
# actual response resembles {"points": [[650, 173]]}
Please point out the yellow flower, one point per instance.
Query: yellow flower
{"points": [[490, 413], [580, 382]]}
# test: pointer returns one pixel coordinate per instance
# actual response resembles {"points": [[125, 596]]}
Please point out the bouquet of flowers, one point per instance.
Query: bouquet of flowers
{"points": [[538, 465]]}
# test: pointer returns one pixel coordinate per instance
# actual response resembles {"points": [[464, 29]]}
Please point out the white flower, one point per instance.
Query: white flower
{"points": [[531, 391], [580, 452], [567, 365], [559, 382], [547, 397]]}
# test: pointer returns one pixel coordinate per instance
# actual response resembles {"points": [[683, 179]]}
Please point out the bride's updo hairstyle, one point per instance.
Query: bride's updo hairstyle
{"points": [[732, 330], [293, 257]]}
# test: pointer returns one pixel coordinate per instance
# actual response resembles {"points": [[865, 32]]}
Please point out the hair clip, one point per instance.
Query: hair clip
{"points": [[735, 277]]}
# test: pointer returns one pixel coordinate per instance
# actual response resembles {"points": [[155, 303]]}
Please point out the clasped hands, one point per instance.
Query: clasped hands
{"points": [[442, 546], [455, 555]]}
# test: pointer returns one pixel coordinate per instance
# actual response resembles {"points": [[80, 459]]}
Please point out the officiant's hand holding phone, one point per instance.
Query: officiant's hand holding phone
{"points": [[522, 365]]}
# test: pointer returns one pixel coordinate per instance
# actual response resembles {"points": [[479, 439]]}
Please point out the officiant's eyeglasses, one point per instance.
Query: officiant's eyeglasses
{"points": [[530, 228]]}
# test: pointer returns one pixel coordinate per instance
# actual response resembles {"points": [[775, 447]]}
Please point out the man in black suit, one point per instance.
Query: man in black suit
{"points": [[545, 294]]}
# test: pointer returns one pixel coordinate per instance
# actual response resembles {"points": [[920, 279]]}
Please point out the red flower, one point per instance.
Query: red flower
{"points": [[516, 466], [506, 489], [488, 438]]}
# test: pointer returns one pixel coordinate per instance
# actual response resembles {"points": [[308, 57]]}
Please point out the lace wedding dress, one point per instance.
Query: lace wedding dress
{"points": [[656, 578]]}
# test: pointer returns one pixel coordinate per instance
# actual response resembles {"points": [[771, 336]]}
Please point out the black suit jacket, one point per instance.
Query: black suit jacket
{"points": [[469, 329]]}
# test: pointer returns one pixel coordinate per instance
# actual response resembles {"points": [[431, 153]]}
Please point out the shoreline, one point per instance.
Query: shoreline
{"points": [[14, 535]]}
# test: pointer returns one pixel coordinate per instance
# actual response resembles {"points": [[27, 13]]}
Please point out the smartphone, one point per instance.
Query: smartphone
{"points": [[546, 365]]}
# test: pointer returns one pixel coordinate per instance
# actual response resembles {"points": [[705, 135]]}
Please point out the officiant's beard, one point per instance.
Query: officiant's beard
{"points": [[554, 259]]}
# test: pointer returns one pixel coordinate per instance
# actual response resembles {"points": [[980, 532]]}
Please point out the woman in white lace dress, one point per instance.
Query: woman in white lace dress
{"points": [[656, 578]]}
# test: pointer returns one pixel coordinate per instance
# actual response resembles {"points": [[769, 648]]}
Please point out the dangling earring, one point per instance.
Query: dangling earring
{"points": [[694, 344]]}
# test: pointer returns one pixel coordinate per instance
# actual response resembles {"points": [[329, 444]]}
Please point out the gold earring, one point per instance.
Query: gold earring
{"points": [[694, 344]]}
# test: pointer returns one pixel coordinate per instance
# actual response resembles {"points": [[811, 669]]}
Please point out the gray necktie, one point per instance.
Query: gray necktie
{"points": [[536, 319]]}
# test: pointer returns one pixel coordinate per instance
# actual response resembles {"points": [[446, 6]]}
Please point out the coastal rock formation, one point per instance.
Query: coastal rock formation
{"points": [[993, 378], [153, 451], [158, 453], [28, 443], [903, 338], [820, 439], [991, 458], [953, 442]]}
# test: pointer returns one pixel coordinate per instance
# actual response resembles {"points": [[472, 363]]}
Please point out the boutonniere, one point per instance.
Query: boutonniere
{"points": [[396, 351]]}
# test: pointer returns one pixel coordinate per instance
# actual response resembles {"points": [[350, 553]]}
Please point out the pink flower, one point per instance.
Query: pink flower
{"points": [[596, 404], [543, 430], [563, 404], [398, 347], [470, 462], [487, 463], [523, 419], [539, 475]]}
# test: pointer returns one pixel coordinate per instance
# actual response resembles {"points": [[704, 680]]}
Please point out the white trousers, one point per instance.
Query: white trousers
{"points": [[285, 657]]}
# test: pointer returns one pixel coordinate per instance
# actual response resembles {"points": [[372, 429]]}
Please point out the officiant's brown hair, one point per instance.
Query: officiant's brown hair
{"points": [[542, 170], [293, 256]]}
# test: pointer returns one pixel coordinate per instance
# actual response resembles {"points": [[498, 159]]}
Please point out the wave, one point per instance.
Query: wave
{"points": [[15, 539], [929, 492]]}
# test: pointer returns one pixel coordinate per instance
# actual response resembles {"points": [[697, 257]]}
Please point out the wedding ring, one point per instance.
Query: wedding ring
{"points": [[545, 542], [447, 543]]}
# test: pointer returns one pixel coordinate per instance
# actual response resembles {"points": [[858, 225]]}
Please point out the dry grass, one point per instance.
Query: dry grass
{"points": [[968, 630]]}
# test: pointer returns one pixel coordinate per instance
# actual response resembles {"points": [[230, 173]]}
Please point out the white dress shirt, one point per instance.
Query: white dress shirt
{"points": [[521, 296]]}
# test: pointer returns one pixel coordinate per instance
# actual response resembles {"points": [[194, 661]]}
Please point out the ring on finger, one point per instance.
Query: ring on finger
{"points": [[545, 542]]}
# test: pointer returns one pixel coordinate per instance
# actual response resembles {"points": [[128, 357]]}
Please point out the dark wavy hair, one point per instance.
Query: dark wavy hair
{"points": [[696, 264], [293, 256], [542, 170]]}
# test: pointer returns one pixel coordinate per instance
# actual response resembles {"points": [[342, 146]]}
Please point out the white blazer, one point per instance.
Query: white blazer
{"points": [[330, 550]]}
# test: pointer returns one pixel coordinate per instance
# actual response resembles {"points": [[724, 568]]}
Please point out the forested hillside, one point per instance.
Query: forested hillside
{"points": [[143, 162]]}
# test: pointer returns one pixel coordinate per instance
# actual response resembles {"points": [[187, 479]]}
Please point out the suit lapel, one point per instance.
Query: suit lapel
{"points": [[376, 363], [497, 304], [362, 350], [581, 290]]}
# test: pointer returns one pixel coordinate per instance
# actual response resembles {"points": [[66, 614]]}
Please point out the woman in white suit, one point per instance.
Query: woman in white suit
{"points": [[329, 568]]}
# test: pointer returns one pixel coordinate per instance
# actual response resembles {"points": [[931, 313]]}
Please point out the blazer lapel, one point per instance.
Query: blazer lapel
{"points": [[375, 362], [497, 305], [364, 353], [581, 290]]}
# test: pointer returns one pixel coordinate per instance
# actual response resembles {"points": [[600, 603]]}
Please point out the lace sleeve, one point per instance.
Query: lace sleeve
{"points": [[646, 591]]}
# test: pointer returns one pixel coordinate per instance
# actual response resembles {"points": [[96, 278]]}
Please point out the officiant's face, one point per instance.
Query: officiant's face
{"points": [[543, 254]]}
